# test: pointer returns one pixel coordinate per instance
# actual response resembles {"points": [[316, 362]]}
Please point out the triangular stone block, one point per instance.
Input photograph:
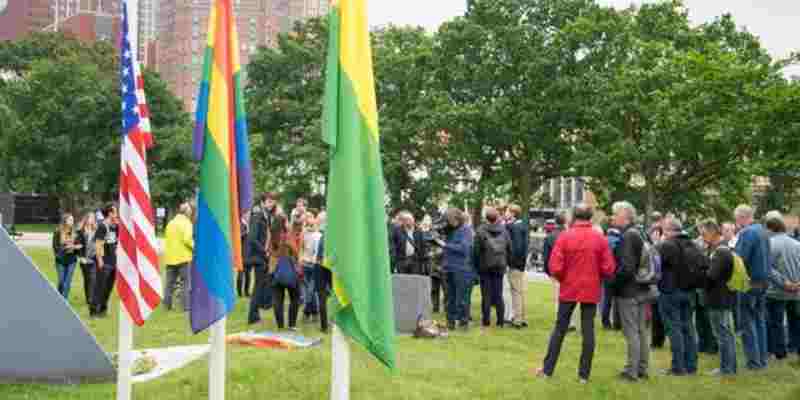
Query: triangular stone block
{"points": [[41, 337]]}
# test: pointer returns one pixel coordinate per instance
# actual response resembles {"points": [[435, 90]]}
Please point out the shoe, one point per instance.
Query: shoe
{"points": [[292, 329], [464, 325], [583, 381], [644, 376], [669, 372], [451, 326], [624, 376], [540, 374], [715, 373]]}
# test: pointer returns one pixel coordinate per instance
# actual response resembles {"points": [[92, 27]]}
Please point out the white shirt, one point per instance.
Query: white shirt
{"points": [[409, 242]]}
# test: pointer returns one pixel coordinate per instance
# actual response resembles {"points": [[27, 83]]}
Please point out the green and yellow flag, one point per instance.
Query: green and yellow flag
{"points": [[356, 240]]}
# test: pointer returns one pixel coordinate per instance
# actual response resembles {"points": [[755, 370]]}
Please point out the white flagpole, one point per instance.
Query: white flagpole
{"points": [[124, 355], [340, 366], [125, 346], [216, 367]]}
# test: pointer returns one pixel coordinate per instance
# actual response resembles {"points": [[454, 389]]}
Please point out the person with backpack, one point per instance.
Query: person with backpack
{"points": [[720, 299], [580, 261], [492, 251], [753, 245], [262, 218], [682, 262], [783, 295], [632, 296]]}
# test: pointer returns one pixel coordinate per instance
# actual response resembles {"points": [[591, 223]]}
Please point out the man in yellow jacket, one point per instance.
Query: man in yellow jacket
{"points": [[178, 255]]}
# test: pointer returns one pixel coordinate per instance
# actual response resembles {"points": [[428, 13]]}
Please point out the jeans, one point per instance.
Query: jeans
{"points": [[677, 309], [457, 290], [779, 311], [278, 293], [565, 311], [174, 273], [722, 324], [706, 342], [636, 328], [89, 272], [754, 328], [310, 293], [65, 272], [243, 280], [492, 296], [262, 294]]}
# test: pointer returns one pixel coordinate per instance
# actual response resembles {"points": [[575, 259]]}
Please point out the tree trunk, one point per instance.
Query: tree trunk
{"points": [[526, 192]]}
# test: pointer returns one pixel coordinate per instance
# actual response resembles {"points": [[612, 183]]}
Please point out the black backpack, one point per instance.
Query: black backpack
{"points": [[495, 251], [696, 264]]}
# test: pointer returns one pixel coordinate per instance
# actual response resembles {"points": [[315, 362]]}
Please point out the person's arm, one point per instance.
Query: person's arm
{"points": [[459, 244], [188, 236], [557, 260], [775, 277], [744, 247], [607, 263], [630, 253], [56, 242], [547, 249]]}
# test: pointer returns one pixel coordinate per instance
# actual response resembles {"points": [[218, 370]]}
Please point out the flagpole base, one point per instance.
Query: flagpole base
{"points": [[216, 367], [124, 355], [340, 367]]}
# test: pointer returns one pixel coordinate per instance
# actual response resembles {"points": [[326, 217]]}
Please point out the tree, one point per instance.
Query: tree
{"points": [[284, 97], [66, 98], [511, 94], [675, 108]]}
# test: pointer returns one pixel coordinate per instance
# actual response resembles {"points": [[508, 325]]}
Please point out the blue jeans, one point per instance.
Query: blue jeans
{"points": [[310, 295], [676, 308], [754, 327], [722, 325], [65, 272], [457, 283], [779, 311]]}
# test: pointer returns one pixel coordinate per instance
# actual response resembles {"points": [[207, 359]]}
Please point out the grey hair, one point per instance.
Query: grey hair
{"points": [[624, 206], [744, 211], [674, 224], [774, 214]]}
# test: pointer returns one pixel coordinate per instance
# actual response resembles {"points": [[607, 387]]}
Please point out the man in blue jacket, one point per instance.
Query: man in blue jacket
{"points": [[754, 248]]}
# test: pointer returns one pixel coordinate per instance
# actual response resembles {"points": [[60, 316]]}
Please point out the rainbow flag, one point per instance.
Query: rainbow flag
{"points": [[220, 145], [356, 240]]}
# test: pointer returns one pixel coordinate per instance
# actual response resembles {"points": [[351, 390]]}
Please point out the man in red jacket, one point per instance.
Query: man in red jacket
{"points": [[580, 261]]}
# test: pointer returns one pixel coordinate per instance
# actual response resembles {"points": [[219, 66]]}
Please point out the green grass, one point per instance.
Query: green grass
{"points": [[494, 365], [36, 228]]}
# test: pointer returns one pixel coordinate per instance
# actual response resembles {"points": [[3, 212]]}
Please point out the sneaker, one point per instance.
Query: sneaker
{"points": [[626, 377], [583, 381], [540, 374], [292, 329], [669, 372]]}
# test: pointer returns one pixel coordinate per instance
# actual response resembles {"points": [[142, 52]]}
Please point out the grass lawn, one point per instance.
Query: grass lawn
{"points": [[494, 365], [35, 228]]}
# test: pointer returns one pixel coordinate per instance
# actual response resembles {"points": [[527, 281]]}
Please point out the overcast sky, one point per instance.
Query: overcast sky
{"points": [[774, 21]]}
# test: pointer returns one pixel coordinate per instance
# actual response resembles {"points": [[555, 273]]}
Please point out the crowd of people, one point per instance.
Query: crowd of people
{"points": [[700, 290]]}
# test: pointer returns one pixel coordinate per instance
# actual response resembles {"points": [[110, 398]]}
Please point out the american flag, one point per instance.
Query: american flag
{"points": [[138, 276]]}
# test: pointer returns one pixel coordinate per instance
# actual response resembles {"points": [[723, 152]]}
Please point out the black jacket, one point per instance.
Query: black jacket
{"points": [[629, 254], [549, 245], [518, 231], [674, 264], [257, 237], [400, 238], [480, 247], [718, 296]]}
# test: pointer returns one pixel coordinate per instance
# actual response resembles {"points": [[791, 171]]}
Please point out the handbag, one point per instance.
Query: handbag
{"points": [[285, 273]]}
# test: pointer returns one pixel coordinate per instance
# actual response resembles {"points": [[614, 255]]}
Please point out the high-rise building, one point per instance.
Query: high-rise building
{"points": [[87, 20], [20, 17]]}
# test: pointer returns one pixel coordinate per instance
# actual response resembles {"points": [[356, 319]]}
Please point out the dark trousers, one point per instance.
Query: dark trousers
{"points": [[438, 292], [243, 280], [706, 342], [310, 294], [608, 309], [565, 310], [89, 272], [457, 296], [324, 284], [659, 329], [102, 291], [174, 274], [262, 293], [779, 311], [278, 295], [492, 296]]}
